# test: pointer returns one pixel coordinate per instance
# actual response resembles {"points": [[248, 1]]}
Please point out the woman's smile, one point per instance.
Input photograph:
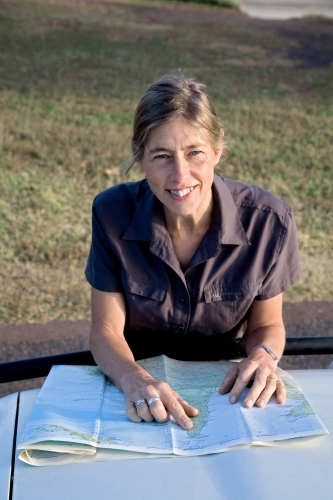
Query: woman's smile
{"points": [[181, 192]]}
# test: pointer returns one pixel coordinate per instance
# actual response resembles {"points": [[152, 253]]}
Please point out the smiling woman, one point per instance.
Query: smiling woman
{"points": [[184, 262], [179, 166]]}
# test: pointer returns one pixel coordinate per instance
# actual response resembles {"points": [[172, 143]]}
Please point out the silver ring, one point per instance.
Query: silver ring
{"points": [[151, 400], [138, 402]]}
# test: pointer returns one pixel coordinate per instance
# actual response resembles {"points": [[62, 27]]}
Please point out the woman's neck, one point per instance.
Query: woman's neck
{"points": [[187, 232], [182, 226]]}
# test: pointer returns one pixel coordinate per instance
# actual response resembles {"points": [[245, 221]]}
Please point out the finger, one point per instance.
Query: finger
{"points": [[229, 380], [240, 384], [158, 411], [131, 411], [177, 411], [281, 393], [261, 384], [267, 393], [190, 410], [144, 413]]}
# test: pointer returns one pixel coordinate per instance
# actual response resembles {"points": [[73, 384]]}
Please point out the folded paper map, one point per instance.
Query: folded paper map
{"points": [[79, 414]]}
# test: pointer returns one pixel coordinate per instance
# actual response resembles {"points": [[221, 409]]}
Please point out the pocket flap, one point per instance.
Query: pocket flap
{"points": [[230, 292], [144, 289]]}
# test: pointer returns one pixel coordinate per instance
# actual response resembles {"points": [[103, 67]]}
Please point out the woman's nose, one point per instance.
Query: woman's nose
{"points": [[180, 168]]}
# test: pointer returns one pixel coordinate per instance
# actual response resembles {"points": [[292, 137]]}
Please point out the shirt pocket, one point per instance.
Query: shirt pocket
{"points": [[146, 307], [144, 289], [229, 303]]}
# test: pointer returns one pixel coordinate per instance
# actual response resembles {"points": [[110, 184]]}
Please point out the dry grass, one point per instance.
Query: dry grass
{"points": [[72, 75]]}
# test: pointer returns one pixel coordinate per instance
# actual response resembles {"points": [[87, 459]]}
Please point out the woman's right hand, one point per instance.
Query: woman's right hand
{"points": [[141, 387], [114, 357]]}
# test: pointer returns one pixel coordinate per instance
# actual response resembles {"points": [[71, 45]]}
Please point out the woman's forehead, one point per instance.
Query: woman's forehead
{"points": [[179, 133]]}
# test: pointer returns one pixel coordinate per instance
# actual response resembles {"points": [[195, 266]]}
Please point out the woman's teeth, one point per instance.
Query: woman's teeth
{"points": [[182, 192]]}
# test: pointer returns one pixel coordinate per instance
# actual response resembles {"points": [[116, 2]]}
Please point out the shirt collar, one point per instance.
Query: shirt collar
{"points": [[148, 225], [140, 227], [230, 230]]}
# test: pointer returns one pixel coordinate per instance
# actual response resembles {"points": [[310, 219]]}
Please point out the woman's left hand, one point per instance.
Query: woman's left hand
{"points": [[262, 369]]}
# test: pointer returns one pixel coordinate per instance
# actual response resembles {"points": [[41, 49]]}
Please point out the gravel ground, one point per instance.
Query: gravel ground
{"points": [[24, 341]]}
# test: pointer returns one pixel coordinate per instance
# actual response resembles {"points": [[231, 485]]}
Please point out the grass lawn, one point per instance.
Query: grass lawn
{"points": [[71, 74]]}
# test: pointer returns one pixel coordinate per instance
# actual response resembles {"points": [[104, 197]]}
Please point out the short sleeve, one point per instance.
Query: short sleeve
{"points": [[103, 267], [286, 270]]}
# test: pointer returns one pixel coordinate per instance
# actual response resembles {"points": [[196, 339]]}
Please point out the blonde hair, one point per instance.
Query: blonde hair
{"points": [[166, 99]]}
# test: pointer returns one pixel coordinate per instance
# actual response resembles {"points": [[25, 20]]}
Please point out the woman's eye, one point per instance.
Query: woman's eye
{"points": [[159, 157], [194, 153]]}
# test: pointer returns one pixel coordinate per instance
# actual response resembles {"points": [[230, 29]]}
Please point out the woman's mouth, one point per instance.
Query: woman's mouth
{"points": [[181, 192]]}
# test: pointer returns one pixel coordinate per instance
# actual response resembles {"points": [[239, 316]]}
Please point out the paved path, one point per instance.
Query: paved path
{"points": [[287, 9]]}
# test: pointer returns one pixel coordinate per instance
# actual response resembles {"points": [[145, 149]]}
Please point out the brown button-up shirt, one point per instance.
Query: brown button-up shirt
{"points": [[249, 253]]}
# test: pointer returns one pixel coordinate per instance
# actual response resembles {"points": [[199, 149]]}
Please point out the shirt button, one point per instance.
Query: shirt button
{"points": [[182, 300], [180, 329]]}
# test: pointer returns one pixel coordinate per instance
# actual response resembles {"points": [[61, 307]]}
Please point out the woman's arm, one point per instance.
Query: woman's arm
{"points": [[113, 355], [265, 327]]}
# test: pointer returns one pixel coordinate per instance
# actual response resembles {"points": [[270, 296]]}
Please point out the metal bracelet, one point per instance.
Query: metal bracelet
{"points": [[268, 350]]}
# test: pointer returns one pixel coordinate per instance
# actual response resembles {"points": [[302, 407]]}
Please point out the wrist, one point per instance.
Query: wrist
{"points": [[132, 376], [267, 349]]}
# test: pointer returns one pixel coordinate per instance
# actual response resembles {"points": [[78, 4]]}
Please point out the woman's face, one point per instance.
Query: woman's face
{"points": [[179, 166]]}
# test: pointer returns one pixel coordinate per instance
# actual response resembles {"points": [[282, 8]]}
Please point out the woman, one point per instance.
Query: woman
{"points": [[185, 262]]}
